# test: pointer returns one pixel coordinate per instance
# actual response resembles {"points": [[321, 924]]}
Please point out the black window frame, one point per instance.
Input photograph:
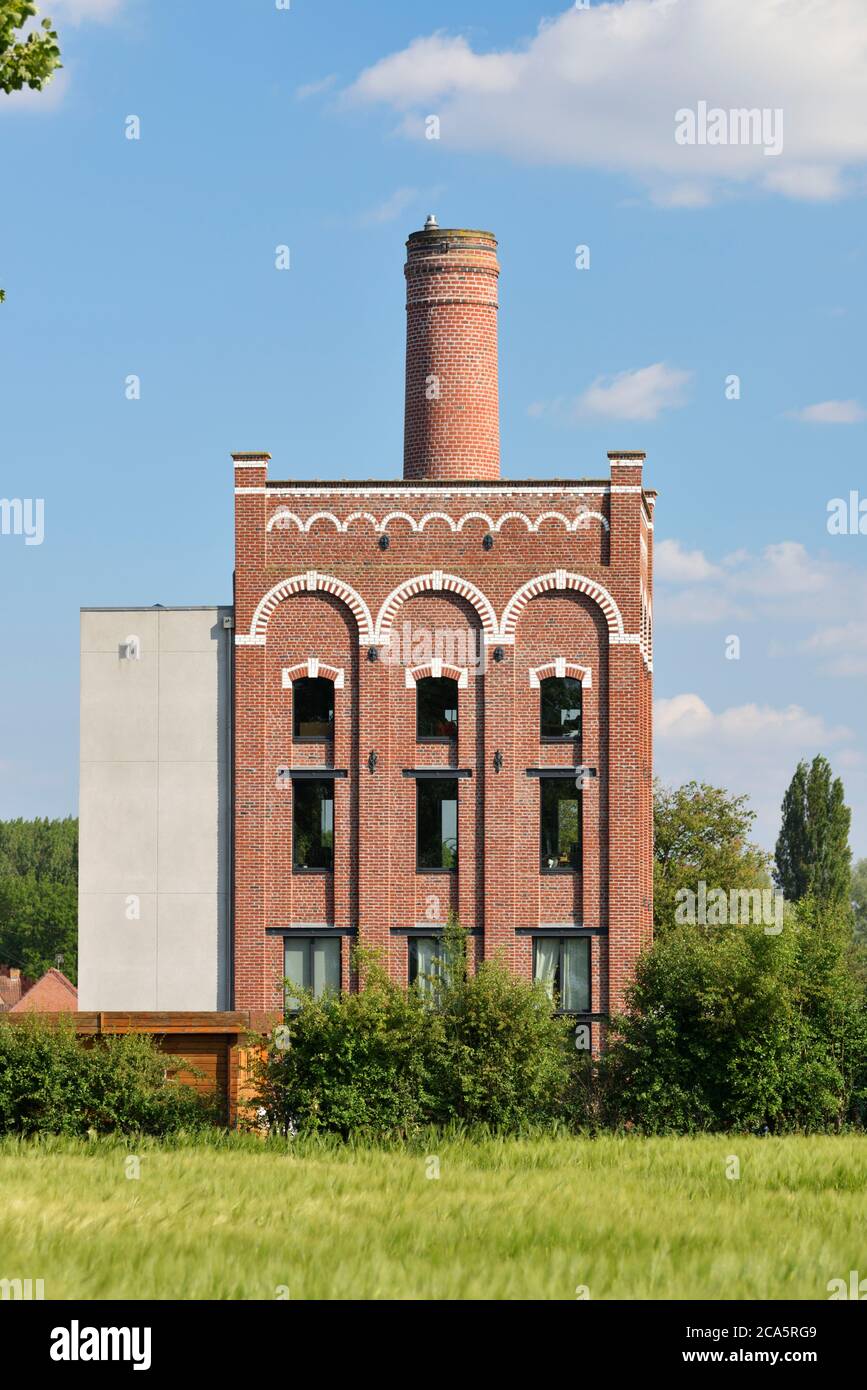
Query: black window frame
{"points": [[574, 794], [574, 738], [561, 945], [311, 738], [425, 683], [299, 784], [438, 784], [302, 938]]}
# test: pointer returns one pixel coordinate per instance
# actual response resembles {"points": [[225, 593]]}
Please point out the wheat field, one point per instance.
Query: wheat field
{"points": [[452, 1218]]}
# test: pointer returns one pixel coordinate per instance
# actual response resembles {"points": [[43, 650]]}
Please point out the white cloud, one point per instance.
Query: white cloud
{"points": [[783, 582], [750, 748], [831, 413], [673, 564], [640, 393], [813, 605], [784, 570], [686, 718], [841, 648], [599, 87], [700, 606]]}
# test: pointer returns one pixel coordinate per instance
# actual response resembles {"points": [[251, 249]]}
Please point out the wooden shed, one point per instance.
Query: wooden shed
{"points": [[216, 1045]]}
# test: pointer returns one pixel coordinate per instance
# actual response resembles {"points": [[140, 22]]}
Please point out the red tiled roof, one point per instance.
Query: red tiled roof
{"points": [[52, 994]]}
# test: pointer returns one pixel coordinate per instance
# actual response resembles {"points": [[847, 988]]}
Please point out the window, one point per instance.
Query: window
{"points": [[313, 708], [560, 825], [312, 824], [437, 823], [311, 962], [562, 965], [426, 963], [436, 709], [561, 708]]}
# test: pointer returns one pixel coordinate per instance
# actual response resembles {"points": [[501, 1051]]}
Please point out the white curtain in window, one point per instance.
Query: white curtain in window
{"points": [[547, 960], [427, 952]]}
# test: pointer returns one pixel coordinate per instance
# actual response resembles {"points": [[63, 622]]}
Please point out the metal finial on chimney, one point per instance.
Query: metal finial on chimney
{"points": [[431, 222]]}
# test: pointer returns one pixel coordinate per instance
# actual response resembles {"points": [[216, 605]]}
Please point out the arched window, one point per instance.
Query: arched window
{"points": [[436, 709], [313, 708], [560, 709]]}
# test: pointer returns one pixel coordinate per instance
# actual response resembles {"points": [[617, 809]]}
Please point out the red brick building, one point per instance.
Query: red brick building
{"points": [[423, 666]]}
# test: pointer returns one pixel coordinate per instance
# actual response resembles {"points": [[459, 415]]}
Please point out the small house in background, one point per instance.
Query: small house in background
{"points": [[52, 994]]}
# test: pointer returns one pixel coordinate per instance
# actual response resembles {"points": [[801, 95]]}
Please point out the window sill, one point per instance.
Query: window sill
{"points": [[312, 738], [427, 870], [437, 738], [562, 739], [564, 869], [302, 869]]}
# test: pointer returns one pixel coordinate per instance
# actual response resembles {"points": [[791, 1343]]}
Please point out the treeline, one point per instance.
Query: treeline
{"points": [[39, 895]]}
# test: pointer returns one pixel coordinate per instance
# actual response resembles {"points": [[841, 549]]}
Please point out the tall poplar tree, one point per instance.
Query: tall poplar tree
{"points": [[812, 853]]}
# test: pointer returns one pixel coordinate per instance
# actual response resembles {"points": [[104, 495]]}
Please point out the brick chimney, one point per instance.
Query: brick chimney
{"points": [[451, 421]]}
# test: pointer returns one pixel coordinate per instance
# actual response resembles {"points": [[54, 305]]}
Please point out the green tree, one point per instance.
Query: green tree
{"points": [[812, 853], [39, 925], [702, 833], [47, 849], [732, 1028], [39, 894], [25, 62]]}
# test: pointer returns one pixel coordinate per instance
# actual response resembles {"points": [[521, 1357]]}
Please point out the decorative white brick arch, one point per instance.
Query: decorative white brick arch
{"points": [[476, 516], [576, 524], [565, 580], [360, 516], [313, 668], [398, 516], [436, 667], [310, 583], [436, 582], [283, 519], [561, 667], [437, 516]]}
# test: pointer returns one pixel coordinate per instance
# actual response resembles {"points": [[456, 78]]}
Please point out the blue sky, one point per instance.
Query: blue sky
{"points": [[305, 127]]}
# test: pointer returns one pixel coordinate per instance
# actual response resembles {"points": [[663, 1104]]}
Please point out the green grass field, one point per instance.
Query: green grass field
{"points": [[629, 1218]]}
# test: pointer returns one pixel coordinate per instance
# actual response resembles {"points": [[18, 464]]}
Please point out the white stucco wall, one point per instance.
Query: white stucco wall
{"points": [[154, 807]]}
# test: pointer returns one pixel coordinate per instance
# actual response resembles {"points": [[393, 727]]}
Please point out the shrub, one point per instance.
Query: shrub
{"points": [[506, 1060], [350, 1063], [387, 1060], [733, 1029], [51, 1083]]}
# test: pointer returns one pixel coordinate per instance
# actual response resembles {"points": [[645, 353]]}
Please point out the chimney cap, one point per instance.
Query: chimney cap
{"points": [[430, 222]]}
